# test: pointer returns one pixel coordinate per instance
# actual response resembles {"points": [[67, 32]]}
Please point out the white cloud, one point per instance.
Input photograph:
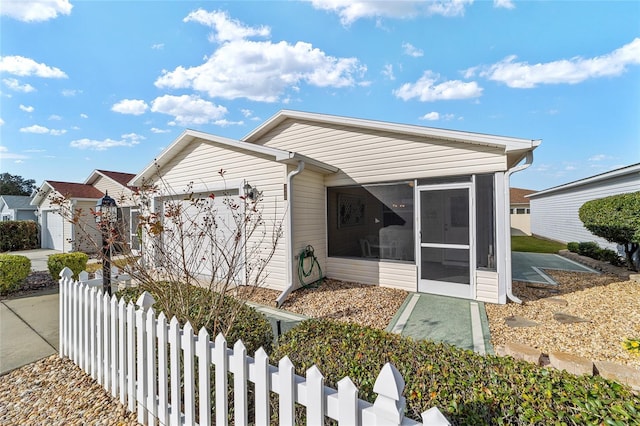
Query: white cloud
{"points": [[41, 130], [411, 50], [350, 11], [6, 155], [55, 117], [35, 10], [246, 112], [102, 145], [261, 70], [426, 89], [226, 123], [504, 4], [226, 29], [70, 92], [130, 106], [157, 46], [15, 85], [435, 116], [26, 108], [21, 66], [133, 137], [84, 116], [599, 157], [564, 71], [188, 109], [158, 131], [1, 122], [387, 71]]}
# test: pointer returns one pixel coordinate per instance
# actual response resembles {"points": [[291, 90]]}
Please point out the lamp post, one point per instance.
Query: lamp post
{"points": [[106, 216]]}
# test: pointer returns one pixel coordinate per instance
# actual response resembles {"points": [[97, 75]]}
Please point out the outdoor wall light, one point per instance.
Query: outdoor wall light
{"points": [[251, 192], [106, 216]]}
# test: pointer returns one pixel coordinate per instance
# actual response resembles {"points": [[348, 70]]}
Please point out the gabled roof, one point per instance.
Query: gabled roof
{"points": [[508, 143], [188, 136], [518, 195], [17, 202], [68, 190], [627, 170], [118, 177]]}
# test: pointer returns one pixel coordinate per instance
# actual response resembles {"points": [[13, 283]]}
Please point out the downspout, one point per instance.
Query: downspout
{"points": [[289, 233], [507, 175]]}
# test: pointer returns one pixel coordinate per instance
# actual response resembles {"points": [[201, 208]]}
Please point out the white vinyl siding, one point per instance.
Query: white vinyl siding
{"points": [[86, 235], [555, 215], [121, 194], [199, 164], [487, 286], [398, 275], [367, 156], [309, 218]]}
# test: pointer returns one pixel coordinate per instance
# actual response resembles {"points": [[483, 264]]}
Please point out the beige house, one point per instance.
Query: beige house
{"points": [[403, 206], [520, 211], [60, 234]]}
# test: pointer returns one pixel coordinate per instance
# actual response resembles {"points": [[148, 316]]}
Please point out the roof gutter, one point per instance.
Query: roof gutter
{"points": [[280, 300], [507, 242]]}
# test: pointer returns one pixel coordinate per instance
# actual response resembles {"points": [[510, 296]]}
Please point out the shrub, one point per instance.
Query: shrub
{"points": [[573, 247], [250, 326], [469, 389], [607, 255], [18, 235], [13, 270], [77, 262], [589, 249]]}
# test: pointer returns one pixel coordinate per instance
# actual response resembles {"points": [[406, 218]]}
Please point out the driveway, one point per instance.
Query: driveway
{"points": [[38, 257]]}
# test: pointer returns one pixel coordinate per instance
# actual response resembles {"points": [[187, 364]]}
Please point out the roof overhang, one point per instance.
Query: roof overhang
{"points": [[41, 193], [628, 170], [189, 136], [509, 144]]}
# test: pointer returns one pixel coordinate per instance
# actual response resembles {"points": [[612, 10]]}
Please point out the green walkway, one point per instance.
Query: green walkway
{"points": [[459, 322]]}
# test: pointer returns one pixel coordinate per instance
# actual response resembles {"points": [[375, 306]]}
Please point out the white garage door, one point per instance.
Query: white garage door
{"points": [[201, 233], [52, 230]]}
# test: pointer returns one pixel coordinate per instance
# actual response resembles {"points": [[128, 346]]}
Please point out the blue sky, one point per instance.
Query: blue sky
{"points": [[90, 85]]}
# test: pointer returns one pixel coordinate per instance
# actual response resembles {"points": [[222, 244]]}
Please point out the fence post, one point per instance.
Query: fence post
{"points": [[204, 378], [315, 396], [188, 346], [262, 384], [163, 371], [122, 351], [388, 408], [240, 378], [434, 417], [63, 315], [286, 391], [222, 367], [175, 346], [144, 302], [347, 402]]}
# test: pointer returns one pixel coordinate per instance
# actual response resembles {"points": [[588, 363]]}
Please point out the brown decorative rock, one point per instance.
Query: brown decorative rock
{"points": [[516, 321], [620, 373], [571, 363], [563, 318], [523, 352]]}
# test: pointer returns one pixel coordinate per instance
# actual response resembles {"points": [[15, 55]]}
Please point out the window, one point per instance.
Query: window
{"points": [[371, 221], [485, 223]]}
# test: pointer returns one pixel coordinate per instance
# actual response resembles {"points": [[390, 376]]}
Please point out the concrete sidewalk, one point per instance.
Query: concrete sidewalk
{"points": [[38, 257], [28, 329]]}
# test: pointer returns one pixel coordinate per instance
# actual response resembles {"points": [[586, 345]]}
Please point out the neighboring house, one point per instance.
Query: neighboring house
{"points": [[554, 211], [520, 211], [403, 206], [60, 234], [16, 207]]}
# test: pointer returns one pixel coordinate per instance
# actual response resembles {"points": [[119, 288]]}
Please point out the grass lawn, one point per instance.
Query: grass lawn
{"points": [[535, 245]]}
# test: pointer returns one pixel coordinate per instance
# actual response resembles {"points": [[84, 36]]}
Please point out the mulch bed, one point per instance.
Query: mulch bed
{"points": [[35, 282]]}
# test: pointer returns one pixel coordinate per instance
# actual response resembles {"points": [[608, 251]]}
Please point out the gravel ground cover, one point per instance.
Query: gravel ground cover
{"points": [[610, 306]]}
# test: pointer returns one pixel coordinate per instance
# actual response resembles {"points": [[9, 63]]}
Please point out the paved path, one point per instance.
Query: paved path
{"points": [[529, 267], [28, 329]]}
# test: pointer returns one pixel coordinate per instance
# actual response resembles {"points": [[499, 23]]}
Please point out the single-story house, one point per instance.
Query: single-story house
{"points": [[520, 211], [16, 207], [554, 211], [60, 234], [404, 206]]}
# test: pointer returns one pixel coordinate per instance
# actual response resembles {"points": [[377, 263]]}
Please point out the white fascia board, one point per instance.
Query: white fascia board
{"points": [[628, 170], [508, 143], [45, 188]]}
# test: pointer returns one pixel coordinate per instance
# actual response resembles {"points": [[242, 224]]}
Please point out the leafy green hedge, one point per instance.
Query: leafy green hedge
{"points": [[76, 261], [13, 270], [593, 250], [468, 388], [18, 235], [250, 326]]}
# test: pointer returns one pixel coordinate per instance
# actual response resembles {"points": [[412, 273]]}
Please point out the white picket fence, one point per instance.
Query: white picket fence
{"points": [[136, 357]]}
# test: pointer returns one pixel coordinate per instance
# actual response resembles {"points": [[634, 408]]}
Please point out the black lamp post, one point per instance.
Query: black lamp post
{"points": [[106, 216]]}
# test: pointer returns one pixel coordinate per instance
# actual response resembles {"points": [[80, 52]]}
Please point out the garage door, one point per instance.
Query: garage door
{"points": [[52, 230], [200, 233]]}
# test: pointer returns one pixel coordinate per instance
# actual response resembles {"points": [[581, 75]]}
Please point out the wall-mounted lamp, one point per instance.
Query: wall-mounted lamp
{"points": [[251, 192]]}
